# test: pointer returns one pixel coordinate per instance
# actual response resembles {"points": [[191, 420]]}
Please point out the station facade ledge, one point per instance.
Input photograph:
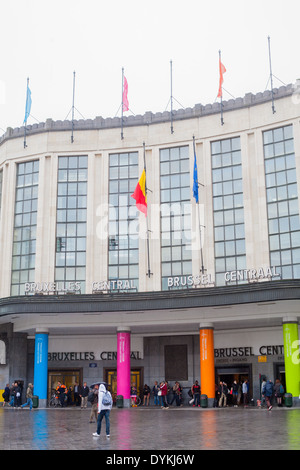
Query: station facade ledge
{"points": [[189, 298]]}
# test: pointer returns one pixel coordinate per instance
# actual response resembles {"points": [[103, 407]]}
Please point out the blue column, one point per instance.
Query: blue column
{"points": [[41, 366]]}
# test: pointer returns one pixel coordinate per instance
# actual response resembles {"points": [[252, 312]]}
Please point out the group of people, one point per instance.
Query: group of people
{"points": [[164, 395], [239, 393], [12, 395], [72, 396], [269, 391]]}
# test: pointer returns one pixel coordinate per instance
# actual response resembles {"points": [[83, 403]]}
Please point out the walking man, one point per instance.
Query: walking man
{"points": [[29, 395]]}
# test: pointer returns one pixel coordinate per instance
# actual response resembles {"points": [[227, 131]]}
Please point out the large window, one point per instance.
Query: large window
{"points": [[228, 208], [282, 201], [123, 249], [175, 194], [24, 242], [71, 221]]}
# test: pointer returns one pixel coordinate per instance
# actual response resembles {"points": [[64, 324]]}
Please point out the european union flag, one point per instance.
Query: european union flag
{"points": [[195, 180], [28, 104]]}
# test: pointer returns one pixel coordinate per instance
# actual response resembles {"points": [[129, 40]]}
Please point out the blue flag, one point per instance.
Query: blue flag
{"points": [[195, 180], [28, 104]]}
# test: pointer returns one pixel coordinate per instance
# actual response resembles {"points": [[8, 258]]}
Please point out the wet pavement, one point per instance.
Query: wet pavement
{"points": [[180, 429]]}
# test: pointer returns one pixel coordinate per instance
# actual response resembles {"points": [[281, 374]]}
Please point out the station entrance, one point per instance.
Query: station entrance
{"points": [[68, 377], [136, 377], [238, 374]]}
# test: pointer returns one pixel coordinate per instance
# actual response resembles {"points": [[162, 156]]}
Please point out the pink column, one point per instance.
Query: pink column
{"points": [[123, 364]]}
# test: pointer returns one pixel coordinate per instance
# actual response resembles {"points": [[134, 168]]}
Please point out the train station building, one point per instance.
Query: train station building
{"points": [[93, 289]]}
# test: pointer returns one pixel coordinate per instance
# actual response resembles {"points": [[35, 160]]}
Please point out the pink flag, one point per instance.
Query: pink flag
{"points": [[125, 98]]}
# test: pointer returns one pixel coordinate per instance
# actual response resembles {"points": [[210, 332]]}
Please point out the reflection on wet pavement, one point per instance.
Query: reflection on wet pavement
{"points": [[152, 429]]}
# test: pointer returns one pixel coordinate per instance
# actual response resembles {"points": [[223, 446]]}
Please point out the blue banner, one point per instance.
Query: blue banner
{"points": [[28, 104]]}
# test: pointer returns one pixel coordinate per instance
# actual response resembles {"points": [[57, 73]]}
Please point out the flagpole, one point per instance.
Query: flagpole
{"points": [[271, 75], [73, 107], [222, 120], [122, 135], [171, 77], [199, 217], [148, 242], [25, 145]]}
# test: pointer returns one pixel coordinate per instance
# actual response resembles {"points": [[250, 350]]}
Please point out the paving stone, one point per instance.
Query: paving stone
{"points": [[152, 429]]}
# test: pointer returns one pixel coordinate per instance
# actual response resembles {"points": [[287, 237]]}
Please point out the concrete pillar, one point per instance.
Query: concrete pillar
{"points": [[41, 366], [291, 355], [123, 364], [207, 361]]}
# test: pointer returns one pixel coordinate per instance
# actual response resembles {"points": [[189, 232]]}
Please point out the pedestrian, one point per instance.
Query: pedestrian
{"points": [[133, 395], [155, 390], [268, 393], [222, 393], [245, 392], [94, 402], [174, 390], [6, 395], [176, 394], [18, 395], [29, 396], [146, 393], [61, 390], [196, 393], [234, 392], [239, 396], [12, 395], [164, 392], [76, 394], [104, 407], [263, 385], [69, 396], [278, 392], [169, 391], [84, 391]]}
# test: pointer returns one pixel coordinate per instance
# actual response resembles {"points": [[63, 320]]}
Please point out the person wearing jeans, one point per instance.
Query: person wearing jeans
{"points": [[29, 395], [103, 411]]}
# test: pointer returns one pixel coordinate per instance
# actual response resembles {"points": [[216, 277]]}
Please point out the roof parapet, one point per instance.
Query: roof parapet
{"points": [[149, 118]]}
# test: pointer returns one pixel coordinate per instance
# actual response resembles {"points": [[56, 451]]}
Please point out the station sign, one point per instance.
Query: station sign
{"points": [[125, 285]]}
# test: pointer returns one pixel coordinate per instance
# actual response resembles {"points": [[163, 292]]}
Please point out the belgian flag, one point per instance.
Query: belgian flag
{"points": [[140, 194]]}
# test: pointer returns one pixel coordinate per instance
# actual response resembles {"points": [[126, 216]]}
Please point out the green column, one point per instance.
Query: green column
{"points": [[291, 356]]}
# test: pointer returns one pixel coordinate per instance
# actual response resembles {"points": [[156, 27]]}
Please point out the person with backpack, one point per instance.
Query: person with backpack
{"points": [[279, 392], [6, 395], [268, 393], [104, 406]]}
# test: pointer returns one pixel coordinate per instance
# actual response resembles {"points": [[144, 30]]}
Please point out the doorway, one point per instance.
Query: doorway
{"points": [[68, 377], [136, 378], [279, 373], [240, 374]]}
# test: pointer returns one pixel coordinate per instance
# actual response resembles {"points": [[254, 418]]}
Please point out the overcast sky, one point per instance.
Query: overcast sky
{"points": [[48, 41]]}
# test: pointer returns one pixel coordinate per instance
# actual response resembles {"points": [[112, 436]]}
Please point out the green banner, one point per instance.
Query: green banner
{"points": [[291, 358]]}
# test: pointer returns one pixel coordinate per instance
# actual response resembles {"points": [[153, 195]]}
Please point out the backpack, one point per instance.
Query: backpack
{"points": [[91, 396], [106, 400]]}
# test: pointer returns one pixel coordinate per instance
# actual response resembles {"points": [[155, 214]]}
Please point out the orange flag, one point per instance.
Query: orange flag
{"points": [[222, 71]]}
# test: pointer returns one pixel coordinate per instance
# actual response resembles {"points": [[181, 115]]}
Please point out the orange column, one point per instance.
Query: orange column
{"points": [[207, 360]]}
